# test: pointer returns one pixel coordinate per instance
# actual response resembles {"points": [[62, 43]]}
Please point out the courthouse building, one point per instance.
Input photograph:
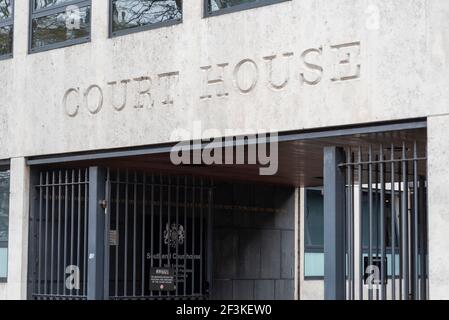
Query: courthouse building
{"points": [[224, 149]]}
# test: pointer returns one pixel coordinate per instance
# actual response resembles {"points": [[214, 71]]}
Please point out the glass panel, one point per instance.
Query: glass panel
{"points": [[60, 27], [6, 38], [314, 230], [4, 205], [314, 264], [4, 215], [215, 5], [314, 219], [131, 14], [44, 4], [3, 262], [5, 9]]}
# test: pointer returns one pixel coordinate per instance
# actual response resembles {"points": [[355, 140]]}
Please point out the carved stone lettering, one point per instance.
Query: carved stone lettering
{"points": [[336, 63], [97, 106], [314, 72], [169, 79], [248, 71], [124, 96], [71, 109], [218, 81], [286, 68], [346, 64], [144, 98]]}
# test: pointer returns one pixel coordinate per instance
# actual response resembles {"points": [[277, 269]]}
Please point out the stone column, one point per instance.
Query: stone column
{"points": [[438, 212], [18, 231]]}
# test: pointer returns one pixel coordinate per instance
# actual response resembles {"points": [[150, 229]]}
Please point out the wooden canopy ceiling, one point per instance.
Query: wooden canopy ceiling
{"points": [[300, 162]]}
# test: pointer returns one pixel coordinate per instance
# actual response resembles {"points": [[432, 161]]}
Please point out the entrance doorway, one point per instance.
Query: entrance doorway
{"points": [[157, 224], [221, 231]]}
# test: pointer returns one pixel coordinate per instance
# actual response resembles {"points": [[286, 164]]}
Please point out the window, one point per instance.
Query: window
{"points": [[213, 7], [314, 234], [4, 217], [314, 230], [59, 23], [137, 15], [6, 28]]}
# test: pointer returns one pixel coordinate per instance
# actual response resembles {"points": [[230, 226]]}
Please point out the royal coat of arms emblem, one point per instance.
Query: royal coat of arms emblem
{"points": [[174, 234]]}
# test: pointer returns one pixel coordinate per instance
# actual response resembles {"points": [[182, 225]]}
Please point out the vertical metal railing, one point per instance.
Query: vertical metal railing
{"points": [[157, 221], [59, 227], [386, 222]]}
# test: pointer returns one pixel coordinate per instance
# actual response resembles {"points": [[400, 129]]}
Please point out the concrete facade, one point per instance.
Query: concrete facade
{"points": [[16, 286], [299, 64]]}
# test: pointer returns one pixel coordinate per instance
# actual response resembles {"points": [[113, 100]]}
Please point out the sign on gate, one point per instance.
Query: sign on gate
{"points": [[162, 279]]}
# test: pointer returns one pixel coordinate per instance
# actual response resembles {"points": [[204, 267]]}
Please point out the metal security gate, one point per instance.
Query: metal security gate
{"points": [[58, 235], [154, 223], [385, 229], [157, 224]]}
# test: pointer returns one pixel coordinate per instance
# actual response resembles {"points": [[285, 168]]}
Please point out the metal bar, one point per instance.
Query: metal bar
{"points": [[72, 222], [135, 235], [382, 227], [361, 259], [52, 235], [125, 258], [334, 211], [423, 239], [106, 228], [86, 211], [177, 226], [33, 237], [117, 230], [39, 263], [399, 226], [193, 236], [404, 216], [152, 224], [169, 222], [95, 290], [46, 236], [78, 244], [186, 239], [416, 295], [58, 258], [210, 238], [143, 231], [352, 256], [393, 227], [201, 237], [370, 227], [66, 208], [383, 161], [377, 223], [348, 228], [426, 241], [160, 225]]}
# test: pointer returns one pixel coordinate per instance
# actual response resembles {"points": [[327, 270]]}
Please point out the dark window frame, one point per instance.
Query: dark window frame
{"points": [[236, 8], [39, 13], [6, 23], [310, 248], [115, 34], [4, 166]]}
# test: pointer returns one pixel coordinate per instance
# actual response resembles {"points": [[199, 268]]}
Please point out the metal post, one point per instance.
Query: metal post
{"points": [[33, 285], [210, 239], [334, 219], [95, 288], [405, 228]]}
